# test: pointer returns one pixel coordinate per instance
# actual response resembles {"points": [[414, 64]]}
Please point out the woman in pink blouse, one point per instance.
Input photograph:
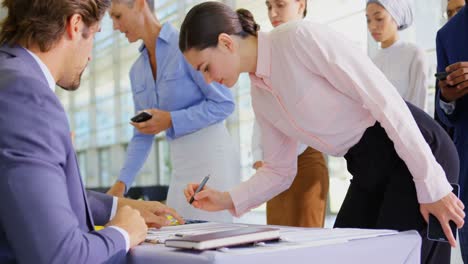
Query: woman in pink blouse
{"points": [[311, 85]]}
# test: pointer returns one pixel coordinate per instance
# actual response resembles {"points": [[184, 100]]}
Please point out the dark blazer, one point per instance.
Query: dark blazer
{"points": [[452, 47], [46, 215]]}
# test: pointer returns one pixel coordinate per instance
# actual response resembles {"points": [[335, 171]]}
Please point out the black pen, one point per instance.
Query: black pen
{"points": [[200, 187]]}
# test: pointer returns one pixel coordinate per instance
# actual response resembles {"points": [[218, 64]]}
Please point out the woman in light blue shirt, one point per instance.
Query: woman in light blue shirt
{"points": [[190, 111]]}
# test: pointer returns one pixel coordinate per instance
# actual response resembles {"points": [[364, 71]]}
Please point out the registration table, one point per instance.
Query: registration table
{"points": [[298, 245]]}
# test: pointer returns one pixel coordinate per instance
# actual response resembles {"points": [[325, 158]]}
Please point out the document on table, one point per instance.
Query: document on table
{"points": [[160, 235], [328, 235], [289, 234], [290, 237], [311, 237]]}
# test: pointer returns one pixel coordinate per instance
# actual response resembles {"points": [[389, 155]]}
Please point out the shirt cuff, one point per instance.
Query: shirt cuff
{"points": [[448, 108], [433, 190], [177, 128], [115, 202], [125, 235]]}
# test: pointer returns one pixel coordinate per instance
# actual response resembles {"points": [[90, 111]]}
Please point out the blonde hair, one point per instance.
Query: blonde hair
{"points": [[130, 3]]}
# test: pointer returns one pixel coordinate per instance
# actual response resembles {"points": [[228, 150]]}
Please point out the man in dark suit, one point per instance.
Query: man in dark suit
{"points": [[451, 101], [46, 216]]}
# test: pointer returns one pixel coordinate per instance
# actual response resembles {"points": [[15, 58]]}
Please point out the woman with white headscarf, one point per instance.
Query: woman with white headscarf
{"points": [[403, 63]]}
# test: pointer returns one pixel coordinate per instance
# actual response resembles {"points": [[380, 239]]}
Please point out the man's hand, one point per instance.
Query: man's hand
{"points": [[118, 189], [446, 209], [456, 85], [208, 199], [160, 121], [154, 213], [131, 221]]}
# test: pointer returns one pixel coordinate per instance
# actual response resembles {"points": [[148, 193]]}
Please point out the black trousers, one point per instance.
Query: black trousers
{"points": [[382, 193]]}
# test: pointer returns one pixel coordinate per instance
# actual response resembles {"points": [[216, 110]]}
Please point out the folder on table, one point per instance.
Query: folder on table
{"points": [[225, 238]]}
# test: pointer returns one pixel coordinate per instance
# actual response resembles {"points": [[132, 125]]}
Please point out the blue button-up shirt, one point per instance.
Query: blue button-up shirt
{"points": [[178, 89]]}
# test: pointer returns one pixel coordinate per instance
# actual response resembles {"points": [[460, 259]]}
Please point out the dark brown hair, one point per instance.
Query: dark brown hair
{"points": [[43, 22], [205, 21]]}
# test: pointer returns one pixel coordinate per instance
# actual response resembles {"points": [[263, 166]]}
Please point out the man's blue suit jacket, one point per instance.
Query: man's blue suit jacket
{"points": [[452, 47], [46, 215]]}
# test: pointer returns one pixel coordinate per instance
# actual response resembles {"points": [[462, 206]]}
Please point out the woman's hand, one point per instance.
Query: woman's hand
{"points": [[160, 121], [446, 209], [154, 213], [208, 199]]}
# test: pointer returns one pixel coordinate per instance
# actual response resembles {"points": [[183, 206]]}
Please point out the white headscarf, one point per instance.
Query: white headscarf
{"points": [[400, 10]]}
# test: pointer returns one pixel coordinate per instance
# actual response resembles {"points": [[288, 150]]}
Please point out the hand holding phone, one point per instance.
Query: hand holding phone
{"points": [[442, 76], [434, 228], [141, 117]]}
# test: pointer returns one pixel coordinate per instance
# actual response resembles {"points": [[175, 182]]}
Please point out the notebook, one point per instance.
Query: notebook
{"points": [[225, 238]]}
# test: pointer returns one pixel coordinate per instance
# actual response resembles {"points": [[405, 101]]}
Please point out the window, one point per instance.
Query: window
{"points": [[105, 122], [83, 164], [127, 112], [82, 129], [104, 164]]}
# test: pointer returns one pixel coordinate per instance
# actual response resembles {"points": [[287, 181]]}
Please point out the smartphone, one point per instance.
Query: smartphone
{"points": [[442, 76], [141, 117], [434, 229]]}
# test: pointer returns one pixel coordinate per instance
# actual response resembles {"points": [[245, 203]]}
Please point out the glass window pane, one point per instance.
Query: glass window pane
{"points": [[82, 96], [126, 106], [105, 85], [104, 167], [82, 128], [105, 122]]}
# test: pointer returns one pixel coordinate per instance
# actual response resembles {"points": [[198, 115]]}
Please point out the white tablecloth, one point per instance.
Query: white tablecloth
{"points": [[402, 247]]}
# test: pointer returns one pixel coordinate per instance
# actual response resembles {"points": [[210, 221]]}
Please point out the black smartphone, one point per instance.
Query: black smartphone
{"points": [[141, 117], [442, 76], [434, 229]]}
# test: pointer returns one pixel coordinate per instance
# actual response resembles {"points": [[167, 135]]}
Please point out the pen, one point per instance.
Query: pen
{"points": [[200, 187]]}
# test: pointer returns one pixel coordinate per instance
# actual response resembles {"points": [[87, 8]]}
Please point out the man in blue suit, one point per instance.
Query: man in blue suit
{"points": [[46, 216], [451, 100]]}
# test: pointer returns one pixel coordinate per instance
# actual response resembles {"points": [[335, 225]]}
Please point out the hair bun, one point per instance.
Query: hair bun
{"points": [[256, 27], [247, 21]]}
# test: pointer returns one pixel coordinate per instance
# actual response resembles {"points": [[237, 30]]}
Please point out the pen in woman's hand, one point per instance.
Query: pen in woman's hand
{"points": [[200, 187]]}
